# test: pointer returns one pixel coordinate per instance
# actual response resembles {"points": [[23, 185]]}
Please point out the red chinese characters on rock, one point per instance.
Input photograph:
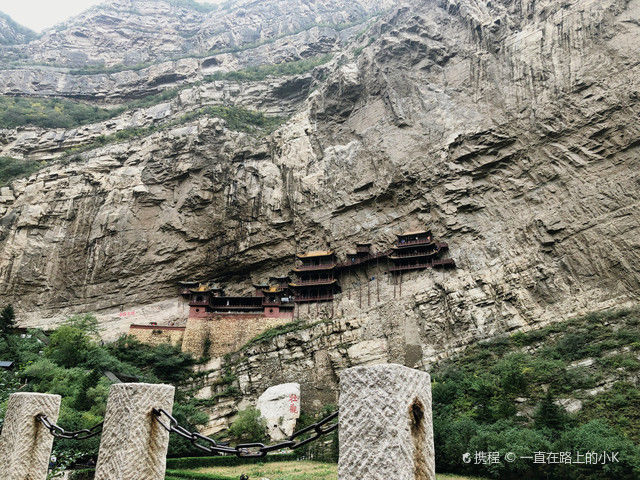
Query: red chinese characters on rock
{"points": [[294, 404], [127, 314]]}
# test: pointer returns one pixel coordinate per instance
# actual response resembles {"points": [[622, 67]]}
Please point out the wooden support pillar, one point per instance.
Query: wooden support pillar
{"points": [[378, 279], [25, 443]]}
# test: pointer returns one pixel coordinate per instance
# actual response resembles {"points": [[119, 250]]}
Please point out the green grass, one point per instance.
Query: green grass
{"points": [[290, 470], [274, 332]]}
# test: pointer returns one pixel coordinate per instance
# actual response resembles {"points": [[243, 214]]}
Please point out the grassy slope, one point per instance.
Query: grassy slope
{"points": [[297, 470]]}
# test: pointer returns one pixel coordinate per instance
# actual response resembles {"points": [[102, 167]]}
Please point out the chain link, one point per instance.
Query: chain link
{"points": [[246, 450], [59, 432]]}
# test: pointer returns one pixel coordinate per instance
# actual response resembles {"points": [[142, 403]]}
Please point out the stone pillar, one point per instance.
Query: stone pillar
{"points": [[25, 444], [386, 426], [133, 444]]}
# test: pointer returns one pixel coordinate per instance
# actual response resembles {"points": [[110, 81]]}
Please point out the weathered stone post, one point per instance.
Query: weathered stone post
{"points": [[133, 444], [386, 426], [25, 444]]}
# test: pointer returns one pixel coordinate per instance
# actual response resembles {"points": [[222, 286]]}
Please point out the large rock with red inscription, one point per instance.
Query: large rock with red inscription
{"points": [[280, 407]]}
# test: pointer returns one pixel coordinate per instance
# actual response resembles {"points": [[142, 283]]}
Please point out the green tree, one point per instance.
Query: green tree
{"points": [[7, 324], [7, 320], [83, 401], [249, 426], [69, 346], [598, 436], [550, 416], [86, 322]]}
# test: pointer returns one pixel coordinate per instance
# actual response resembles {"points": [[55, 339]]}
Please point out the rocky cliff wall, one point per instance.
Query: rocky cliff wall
{"points": [[509, 127]]}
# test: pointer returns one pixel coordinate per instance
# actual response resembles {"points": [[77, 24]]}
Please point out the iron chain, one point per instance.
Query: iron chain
{"points": [[246, 450], [60, 432]]}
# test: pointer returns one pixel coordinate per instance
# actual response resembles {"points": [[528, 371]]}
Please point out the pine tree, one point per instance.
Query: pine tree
{"points": [[548, 415], [82, 400], [7, 320]]}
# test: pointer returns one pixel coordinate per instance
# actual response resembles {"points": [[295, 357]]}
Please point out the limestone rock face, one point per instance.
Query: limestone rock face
{"points": [[132, 32], [509, 127], [280, 407], [12, 33]]}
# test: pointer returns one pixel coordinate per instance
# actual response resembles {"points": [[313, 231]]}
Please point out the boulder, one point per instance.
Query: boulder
{"points": [[280, 407]]}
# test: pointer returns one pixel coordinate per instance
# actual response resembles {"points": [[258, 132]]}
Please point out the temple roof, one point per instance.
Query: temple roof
{"points": [[413, 232], [327, 282], [201, 288], [273, 289], [315, 253]]}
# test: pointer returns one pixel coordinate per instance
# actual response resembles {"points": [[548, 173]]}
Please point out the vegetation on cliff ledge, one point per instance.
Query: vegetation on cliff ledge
{"points": [[260, 72], [49, 112], [12, 168]]}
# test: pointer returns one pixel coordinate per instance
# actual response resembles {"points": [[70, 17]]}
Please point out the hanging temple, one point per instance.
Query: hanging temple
{"points": [[218, 323]]}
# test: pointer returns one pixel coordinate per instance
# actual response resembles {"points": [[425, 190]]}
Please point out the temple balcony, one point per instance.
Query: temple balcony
{"points": [[408, 243], [415, 266], [305, 283], [271, 303], [431, 253], [320, 266], [316, 298], [445, 262], [200, 303], [217, 308]]}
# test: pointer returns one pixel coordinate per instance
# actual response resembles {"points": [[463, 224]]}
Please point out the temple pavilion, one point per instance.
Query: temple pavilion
{"points": [[315, 277], [207, 300], [416, 250]]}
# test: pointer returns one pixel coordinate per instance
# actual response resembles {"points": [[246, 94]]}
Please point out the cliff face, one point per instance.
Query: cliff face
{"points": [[11, 33], [509, 127]]}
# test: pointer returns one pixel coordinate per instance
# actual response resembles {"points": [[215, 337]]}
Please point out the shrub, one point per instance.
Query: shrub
{"points": [[249, 426], [261, 72], [505, 437], [49, 112], [12, 168], [69, 346], [549, 416], [598, 436]]}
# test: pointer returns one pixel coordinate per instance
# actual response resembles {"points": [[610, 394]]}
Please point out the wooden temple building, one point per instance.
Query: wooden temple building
{"points": [[315, 277], [418, 250], [206, 300]]}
